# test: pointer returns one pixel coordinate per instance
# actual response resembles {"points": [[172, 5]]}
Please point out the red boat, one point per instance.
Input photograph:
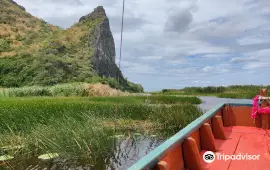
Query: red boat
{"points": [[225, 138]]}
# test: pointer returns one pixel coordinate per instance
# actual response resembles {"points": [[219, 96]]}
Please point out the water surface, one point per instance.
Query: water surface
{"points": [[210, 101]]}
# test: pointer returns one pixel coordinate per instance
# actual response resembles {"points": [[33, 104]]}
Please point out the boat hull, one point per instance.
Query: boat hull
{"points": [[227, 129]]}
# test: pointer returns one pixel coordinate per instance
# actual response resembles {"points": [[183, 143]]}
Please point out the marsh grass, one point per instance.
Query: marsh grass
{"points": [[164, 99], [83, 128], [249, 95], [161, 99], [234, 91], [21, 114], [73, 138], [71, 89], [76, 89], [81, 137], [169, 120]]}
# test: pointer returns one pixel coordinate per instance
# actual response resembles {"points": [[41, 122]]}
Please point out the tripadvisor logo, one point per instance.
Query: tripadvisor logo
{"points": [[209, 157]]}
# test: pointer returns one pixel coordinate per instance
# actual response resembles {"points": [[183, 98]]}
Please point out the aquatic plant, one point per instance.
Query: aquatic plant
{"points": [[169, 120]]}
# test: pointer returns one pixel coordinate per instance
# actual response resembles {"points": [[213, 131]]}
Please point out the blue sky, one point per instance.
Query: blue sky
{"points": [[178, 43]]}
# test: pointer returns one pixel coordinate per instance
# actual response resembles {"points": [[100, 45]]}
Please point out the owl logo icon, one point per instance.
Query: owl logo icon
{"points": [[209, 157]]}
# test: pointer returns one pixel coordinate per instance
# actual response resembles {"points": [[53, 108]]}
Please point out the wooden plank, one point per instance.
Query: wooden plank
{"points": [[241, 116], [268, 132], [219, 113], [196, 135], [243, 129], [174, 159], [217, 128], [207, 138], [252, 144], [192, 157], [224, 146], [265, 121], [226, 116]]}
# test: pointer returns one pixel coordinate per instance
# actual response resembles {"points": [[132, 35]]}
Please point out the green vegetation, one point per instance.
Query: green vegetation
{"points": [[72, 89], [209, 89], [171, 119], [234, 91], [4, 45], [26, 70], [163, 99], [249, 95], [83, 128], [76, 89], [84, 89], [33, 52]]}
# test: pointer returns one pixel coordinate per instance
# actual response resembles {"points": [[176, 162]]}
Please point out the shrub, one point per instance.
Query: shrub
{"points": [[165, 90], [5, 45]]}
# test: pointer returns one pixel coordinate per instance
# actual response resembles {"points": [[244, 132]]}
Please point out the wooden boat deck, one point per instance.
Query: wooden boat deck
{"points": [[244, 140]]}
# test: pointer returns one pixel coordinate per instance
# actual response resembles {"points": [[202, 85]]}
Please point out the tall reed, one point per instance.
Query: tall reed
{"points": [[75, 127], [71, 89]]}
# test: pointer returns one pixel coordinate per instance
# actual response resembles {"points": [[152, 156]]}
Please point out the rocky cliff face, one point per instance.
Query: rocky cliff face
{"points": [[103, 58]]}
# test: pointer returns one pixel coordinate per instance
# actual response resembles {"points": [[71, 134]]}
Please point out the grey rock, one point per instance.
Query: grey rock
{"points": [[103, 58], [97, 13]]}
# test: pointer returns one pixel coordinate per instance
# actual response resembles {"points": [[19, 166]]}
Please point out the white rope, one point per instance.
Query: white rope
{"points": [[121, 42], [122, 27]]}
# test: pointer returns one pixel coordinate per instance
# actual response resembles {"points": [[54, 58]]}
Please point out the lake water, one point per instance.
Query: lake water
{"points": [[210, 101], [128, 152]]}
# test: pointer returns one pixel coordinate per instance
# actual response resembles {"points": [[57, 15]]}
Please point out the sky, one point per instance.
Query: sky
{"points": [[177, 43]]}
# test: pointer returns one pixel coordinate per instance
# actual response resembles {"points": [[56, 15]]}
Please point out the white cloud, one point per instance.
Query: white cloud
{"points": [[216, 56], [254, 60], [254, 40], [179, 61], [256, 65], [202, 82], [220, 68], [243, 59], [140, 68], [207, 68], [258, 59], [149, 58], [182, 71]]}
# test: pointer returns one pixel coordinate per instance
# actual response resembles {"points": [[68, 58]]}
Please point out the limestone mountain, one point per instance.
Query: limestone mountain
{"points": [[34, 52]]}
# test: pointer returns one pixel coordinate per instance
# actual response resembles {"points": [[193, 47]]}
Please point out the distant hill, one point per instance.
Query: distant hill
{"points": [[33, 52]]}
